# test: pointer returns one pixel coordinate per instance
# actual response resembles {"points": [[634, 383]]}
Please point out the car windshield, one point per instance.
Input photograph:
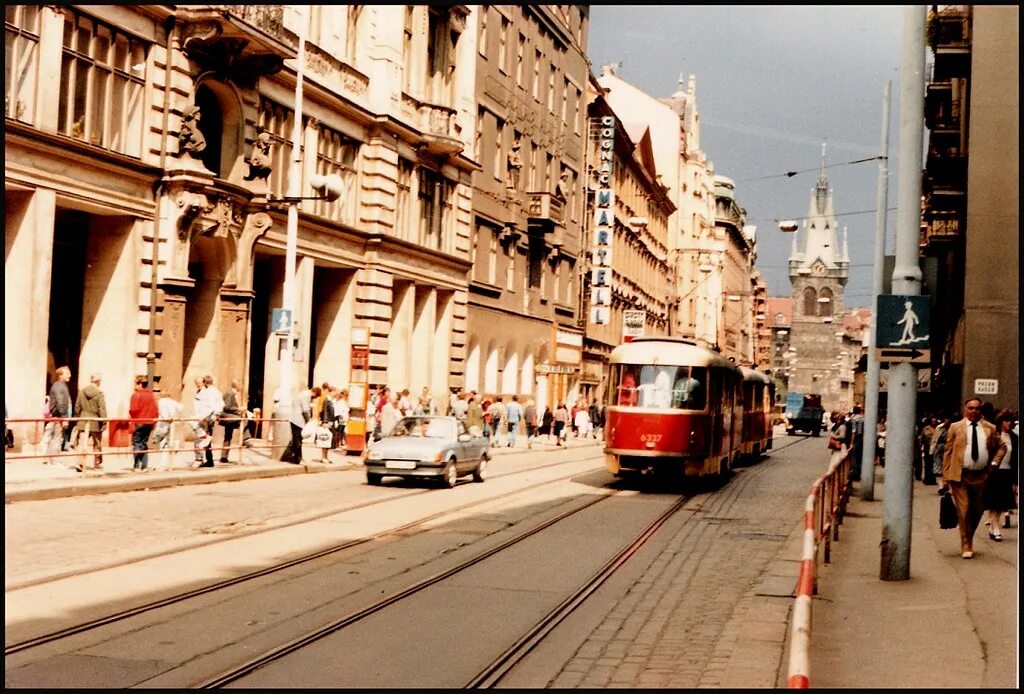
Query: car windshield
{"points": [[428, 427]]}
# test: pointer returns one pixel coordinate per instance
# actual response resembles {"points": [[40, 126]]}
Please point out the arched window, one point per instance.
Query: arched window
{"points": [[825, 307], [810, 302], [210, 124]]}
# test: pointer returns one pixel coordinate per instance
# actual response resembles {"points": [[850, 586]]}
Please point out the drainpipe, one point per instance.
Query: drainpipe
{"points": [[154, 278]]}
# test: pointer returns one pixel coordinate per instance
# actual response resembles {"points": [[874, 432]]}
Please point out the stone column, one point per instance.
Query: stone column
{"points": [[51, 39], [28, 244], [174, 295], [233, 350]]}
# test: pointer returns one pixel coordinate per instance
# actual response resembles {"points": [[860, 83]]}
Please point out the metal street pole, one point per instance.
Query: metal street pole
{"points": [[282, 429], [867, 461], [906, 280]]}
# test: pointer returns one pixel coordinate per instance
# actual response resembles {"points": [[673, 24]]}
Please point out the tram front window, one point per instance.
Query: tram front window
{"points": [[660, 387]]}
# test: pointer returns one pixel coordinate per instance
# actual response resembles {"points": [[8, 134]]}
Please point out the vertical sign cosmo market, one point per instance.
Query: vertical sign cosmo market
{"points": [[604, 223]]}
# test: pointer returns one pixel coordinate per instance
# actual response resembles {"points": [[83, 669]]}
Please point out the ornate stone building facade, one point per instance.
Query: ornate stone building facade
{"points": [[818, 271], [145, 227], [524, 336]]}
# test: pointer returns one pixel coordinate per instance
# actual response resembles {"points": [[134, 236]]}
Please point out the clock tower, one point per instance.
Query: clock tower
{"points": [[818, 271]]}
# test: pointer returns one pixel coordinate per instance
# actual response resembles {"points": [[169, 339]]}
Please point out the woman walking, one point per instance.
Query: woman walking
{"points": [[1001, 485], [560, 421]]}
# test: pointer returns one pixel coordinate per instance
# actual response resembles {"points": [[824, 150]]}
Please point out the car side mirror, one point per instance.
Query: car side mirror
{"points": [[465, 438]]}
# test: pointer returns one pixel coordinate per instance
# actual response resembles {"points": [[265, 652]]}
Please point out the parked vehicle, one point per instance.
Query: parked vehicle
{"points": [[804, 413], [428, 447]]}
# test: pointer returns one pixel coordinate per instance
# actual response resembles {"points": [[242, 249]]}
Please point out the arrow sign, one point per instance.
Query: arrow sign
{"points": [[912, 355]]}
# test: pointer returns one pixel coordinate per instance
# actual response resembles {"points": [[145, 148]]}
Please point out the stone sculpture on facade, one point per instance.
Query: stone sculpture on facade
{"points": [[514, 165], [190, 139], [259, 161], [562, 187]]}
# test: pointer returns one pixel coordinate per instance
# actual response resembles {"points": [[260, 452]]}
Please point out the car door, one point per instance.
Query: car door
{"points": [[464, 449]]}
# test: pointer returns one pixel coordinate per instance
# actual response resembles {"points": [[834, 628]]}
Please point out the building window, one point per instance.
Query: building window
{"points": [[533, 167], [510, 268], [435, 196], [569, 277], [22, 61], [407, 51], [810, 302], [503, 46], [277, 121], [338, 154], [520, 59], [549, 173], [492, 256], [536, 75], [576, 114], [402, 201], [552, 77], [352, 32], [499, 143], [825, 307], [102, 85], [565, 101], [478, 141], [482, 44]]}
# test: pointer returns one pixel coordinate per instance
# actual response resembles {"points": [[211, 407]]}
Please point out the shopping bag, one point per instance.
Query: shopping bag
{"points": [[324, 439], [309, 431], [947, 511]]}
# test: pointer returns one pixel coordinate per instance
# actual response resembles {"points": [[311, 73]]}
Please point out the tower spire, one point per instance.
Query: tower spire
{"points": [[821, 173]]}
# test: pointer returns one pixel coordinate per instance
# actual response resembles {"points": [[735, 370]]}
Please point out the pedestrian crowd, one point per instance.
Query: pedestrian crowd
{"points": [[79, 428], [971, 455], [502, 419]]}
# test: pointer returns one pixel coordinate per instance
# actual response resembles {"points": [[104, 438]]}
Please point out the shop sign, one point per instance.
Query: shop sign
{"points": [[604, 222], [633, 324]]}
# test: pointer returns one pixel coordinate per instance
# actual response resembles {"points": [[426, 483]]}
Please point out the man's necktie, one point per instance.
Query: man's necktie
{"points": [[974, 441]]}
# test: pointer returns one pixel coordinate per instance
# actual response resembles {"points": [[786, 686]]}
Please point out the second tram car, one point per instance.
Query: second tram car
{"points": [[672, 407], [758, 395]]}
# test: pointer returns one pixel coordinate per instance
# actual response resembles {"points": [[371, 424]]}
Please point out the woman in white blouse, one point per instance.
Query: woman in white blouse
{"points": [[1001, 486]]}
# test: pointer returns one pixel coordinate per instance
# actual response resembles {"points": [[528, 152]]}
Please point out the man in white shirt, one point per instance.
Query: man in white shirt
{"points": [[970, 444]]}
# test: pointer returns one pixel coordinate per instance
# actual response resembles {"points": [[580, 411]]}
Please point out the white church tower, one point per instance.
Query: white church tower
{"points": [[819, 267]]}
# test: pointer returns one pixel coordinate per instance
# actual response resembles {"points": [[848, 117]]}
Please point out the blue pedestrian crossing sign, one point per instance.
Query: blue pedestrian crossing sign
{"points": [[281, 320], [902, 332]]}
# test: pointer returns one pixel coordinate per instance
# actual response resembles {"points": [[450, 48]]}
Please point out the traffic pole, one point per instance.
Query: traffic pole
{"points": [[867, 461], [282, 428], [906, 280]]}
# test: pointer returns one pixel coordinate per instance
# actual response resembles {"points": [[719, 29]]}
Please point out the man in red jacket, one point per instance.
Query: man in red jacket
{"points": [[143, 412]]}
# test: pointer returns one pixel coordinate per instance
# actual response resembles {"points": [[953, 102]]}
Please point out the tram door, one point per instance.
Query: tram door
{"points": [[715, 410]]}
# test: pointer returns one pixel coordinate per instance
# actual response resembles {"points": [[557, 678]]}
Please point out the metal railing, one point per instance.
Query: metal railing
{"points": [[823, 514], [31, 434]]}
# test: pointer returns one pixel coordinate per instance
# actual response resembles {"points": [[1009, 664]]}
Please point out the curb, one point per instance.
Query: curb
{"points": [[59, 489]]}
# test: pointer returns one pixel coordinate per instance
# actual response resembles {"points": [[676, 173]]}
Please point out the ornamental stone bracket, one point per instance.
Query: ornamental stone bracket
{"points": [[239, 43], [229, 215]]}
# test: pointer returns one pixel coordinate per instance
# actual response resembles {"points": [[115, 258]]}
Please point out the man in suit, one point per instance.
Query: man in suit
{"points": [[971, 445]]}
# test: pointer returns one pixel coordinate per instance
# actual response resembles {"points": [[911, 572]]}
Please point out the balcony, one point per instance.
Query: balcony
{"points": [[546, 210], [946, 171], [437, 124], [941, 110], [938, 231], [240, 42], [949, 36]]}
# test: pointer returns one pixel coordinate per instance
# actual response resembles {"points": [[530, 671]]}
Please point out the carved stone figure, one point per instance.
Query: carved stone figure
{"points": [[190, 139], [562, 187], [259, 160], [514, 165]]}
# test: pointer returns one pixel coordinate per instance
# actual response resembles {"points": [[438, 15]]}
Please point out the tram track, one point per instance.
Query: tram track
{"points": [[296, 521], [179, 598], [488, 677]]}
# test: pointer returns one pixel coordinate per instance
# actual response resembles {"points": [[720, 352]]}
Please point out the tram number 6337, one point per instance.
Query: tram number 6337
{"points": [[651, 439]]}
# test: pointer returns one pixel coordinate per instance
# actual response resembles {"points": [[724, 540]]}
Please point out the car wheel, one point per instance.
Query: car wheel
{"points": [[451, 475], [816, 433], [373, 479], [481, 470]]}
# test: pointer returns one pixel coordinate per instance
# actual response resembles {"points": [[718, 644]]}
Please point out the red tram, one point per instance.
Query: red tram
{"points": [[758, 395], [674, 407]]}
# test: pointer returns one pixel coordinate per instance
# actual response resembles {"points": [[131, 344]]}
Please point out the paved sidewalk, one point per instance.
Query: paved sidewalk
{"points": [[954, 623], [33, 480]]}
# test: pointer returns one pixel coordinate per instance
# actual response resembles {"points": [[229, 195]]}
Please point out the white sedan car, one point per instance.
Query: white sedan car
{"points": [[428, 447]]}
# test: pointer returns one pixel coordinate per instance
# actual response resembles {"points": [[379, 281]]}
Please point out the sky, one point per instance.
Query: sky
{"points": [[773, 83]]}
